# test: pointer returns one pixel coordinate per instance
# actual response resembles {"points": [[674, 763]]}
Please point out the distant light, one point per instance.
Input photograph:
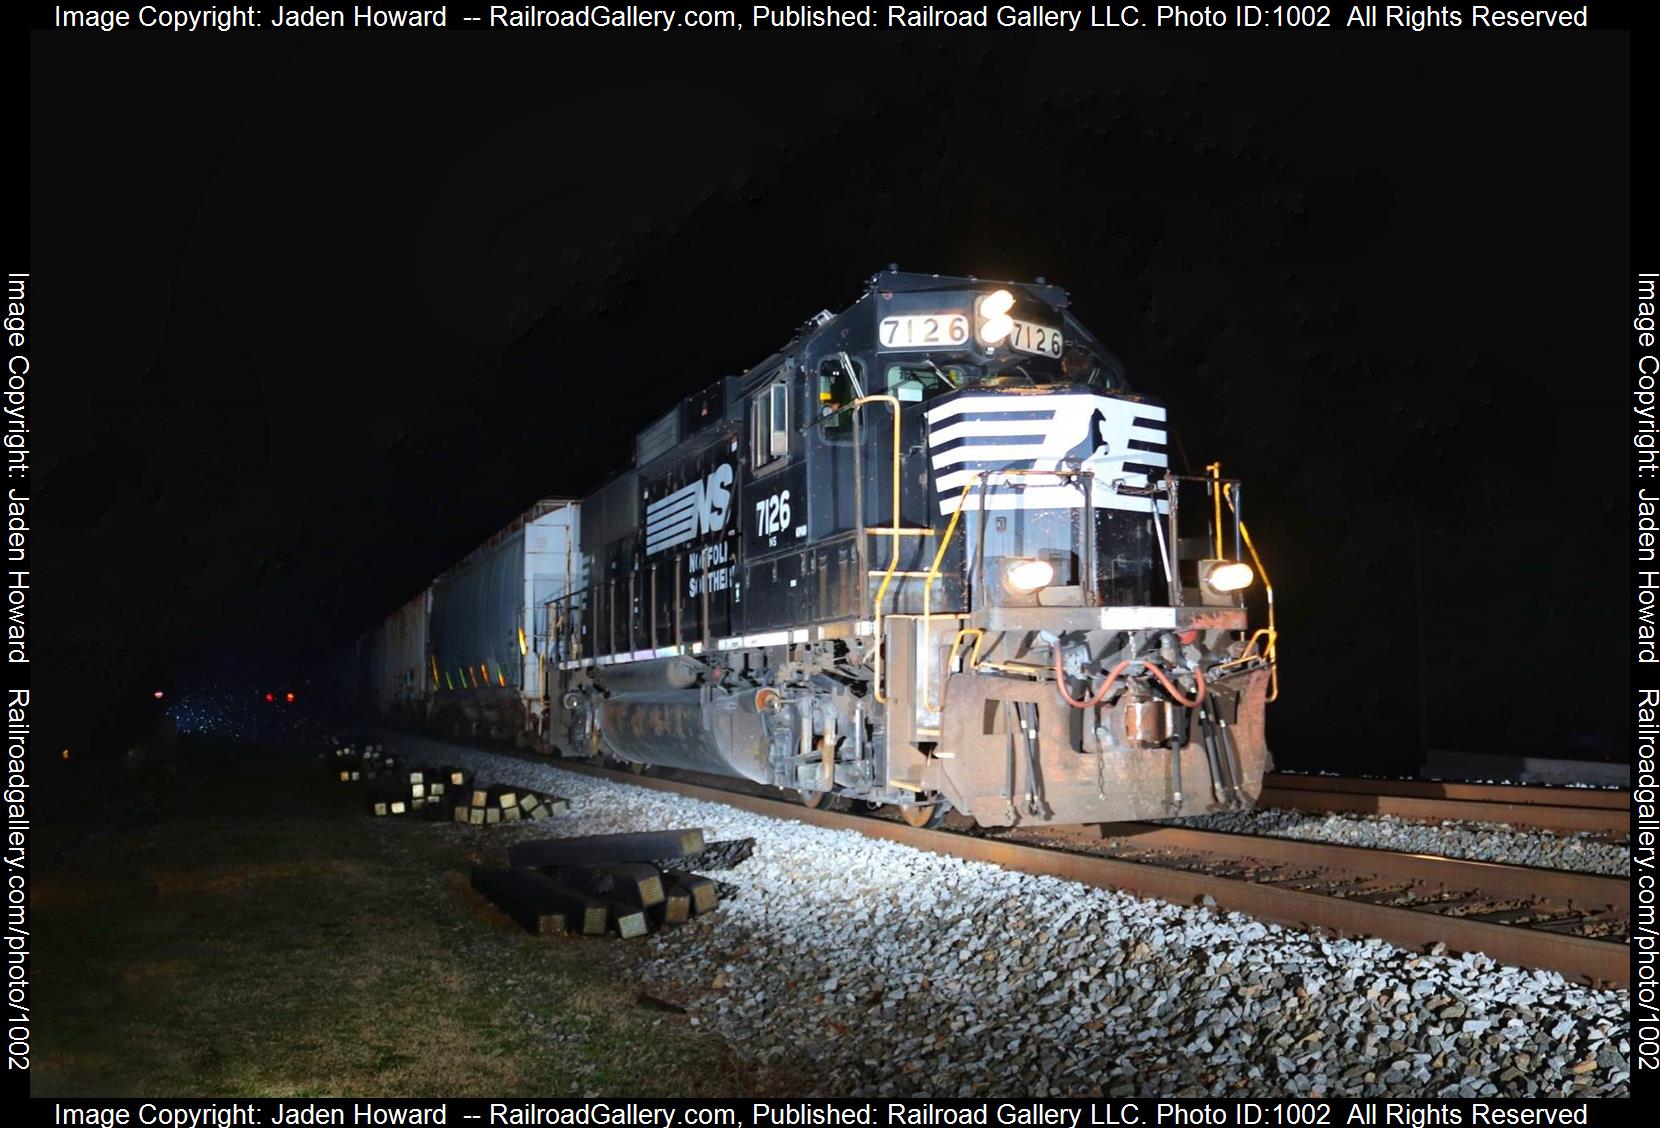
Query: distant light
{"points": [[66, 753], [270, 697], [524, 647], [289, 697], [157, 695]]}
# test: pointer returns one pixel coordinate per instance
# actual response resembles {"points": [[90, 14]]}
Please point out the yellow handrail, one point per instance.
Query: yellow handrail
{"points": [[1270, 648], [977, 478], [893, 532], [1215, 469], [934, 574], [956, 645]]}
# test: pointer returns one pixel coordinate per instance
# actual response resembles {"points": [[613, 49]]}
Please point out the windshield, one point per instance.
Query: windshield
{"points": [[912, 382], [1079, 364]]}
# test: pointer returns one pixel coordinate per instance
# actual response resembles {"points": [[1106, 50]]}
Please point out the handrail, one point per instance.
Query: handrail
{"points": [[893, 532], [956, 646], [1215, 469], [1075, 472], [976, 478], [934, 574], [1270, 650]]}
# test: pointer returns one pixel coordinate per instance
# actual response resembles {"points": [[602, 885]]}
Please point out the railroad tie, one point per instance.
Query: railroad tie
{"points": [[702, 889], [628, 920], [588, 914], [635, 883], [677, 904], [523, 897], [593, 849]]}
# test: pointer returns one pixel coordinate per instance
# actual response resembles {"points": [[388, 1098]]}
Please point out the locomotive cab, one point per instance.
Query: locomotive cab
{"points": [[931, 553]]}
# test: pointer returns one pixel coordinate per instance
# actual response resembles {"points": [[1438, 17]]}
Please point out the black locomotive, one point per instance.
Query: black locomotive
{"points": [[931, 553]]}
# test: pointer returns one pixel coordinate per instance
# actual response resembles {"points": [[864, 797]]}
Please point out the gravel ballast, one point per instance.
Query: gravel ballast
{"points": [[1476, 841], [877, 969]]}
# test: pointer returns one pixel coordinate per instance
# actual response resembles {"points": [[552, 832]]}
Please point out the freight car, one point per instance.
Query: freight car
{"points": [[460, 658], [932, 553]]}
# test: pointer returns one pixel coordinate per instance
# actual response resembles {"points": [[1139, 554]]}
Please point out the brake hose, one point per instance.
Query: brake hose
{"points": [[1112, 676]]}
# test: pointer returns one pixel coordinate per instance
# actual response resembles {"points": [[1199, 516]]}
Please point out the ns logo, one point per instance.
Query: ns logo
{"points": [[690, 511]]}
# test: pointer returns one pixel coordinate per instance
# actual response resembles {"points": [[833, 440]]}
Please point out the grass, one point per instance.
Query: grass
{"points": [[255, 933]]}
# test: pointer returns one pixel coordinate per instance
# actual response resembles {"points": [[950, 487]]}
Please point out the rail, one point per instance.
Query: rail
{"points": [[1309, 884]]}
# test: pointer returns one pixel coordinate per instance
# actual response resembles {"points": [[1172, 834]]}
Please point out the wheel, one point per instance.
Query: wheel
{"points": [[821, 800], [924, 816]]}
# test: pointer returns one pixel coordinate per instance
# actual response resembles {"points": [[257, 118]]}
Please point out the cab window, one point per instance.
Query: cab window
{"points": [[913, 383], [833, 391], [770, 424]]}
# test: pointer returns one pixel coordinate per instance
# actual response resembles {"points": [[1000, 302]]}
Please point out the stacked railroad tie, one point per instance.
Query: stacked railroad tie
{"points": [[436, 793], [487, 806], [412, 792], [355, 761], [625, 884]]}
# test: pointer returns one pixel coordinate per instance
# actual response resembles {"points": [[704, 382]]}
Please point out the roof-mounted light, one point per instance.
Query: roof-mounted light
{"points": [[992, 322]]}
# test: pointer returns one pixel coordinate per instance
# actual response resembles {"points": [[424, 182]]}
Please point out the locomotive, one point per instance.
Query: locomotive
{"points": [[931, 554]]}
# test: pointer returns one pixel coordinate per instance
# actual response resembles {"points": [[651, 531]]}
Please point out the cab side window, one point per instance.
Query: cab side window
{"points": [[770, 424], [833, 391]]}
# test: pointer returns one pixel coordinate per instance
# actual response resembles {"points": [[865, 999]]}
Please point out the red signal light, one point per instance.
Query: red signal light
{"points": [[270, 697]]}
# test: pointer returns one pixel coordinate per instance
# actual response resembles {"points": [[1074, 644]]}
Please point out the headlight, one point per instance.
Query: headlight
{"points": [[1026, 576], [1230, 575], [994, 323]]}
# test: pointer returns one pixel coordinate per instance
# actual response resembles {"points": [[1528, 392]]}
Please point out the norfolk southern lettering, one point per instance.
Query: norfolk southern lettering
{"points": [[362, 15]]}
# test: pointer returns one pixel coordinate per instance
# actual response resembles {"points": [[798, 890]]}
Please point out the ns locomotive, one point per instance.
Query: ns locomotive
{"points": [[932, 553]]}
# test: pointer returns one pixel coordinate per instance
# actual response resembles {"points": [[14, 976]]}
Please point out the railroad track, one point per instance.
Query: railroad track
{"points": [[1595, 810], [1574, 923]]}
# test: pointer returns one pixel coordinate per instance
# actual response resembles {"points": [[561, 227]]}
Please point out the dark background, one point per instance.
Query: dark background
{"points": [[318, 313]]}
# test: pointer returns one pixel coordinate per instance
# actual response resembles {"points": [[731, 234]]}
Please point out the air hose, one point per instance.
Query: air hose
{"points": [[1112, 676]]}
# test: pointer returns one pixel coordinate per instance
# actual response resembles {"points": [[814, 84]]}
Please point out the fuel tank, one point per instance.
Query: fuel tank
{"points": [[648, 719]]}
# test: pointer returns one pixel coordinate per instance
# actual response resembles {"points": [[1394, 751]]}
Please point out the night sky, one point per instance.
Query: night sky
{"points": [[318, 313]]}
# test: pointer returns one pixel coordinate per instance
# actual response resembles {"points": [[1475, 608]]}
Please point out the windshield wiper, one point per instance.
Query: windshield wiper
{"points": [[852, 376], [940, 372]]}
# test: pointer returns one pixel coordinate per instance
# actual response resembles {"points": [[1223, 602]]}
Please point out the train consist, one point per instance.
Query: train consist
{"points": [[931, 553]]}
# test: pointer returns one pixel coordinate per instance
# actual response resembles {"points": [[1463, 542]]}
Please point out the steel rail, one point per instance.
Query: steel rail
{"points": [[1545, 817], [1582, 890], [1600, 798], [1599, 961]]}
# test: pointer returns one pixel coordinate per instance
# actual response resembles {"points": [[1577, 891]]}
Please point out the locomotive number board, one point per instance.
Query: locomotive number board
{"points": [[924, 331], [1038, 340]]}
